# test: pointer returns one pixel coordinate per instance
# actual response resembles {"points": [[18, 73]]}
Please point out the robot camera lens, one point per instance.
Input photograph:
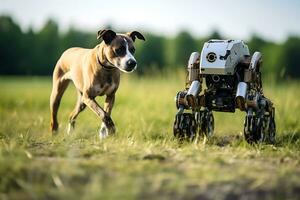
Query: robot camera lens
{"points": [[211, 57]]}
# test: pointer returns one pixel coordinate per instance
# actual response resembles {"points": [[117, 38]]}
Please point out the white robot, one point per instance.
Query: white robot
{"points": [[224, 77]]}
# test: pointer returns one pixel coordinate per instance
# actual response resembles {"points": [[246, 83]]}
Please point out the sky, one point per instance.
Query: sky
{"points": [[273, 20]]}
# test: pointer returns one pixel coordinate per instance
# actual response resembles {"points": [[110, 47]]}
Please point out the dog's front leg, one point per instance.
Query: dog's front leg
{"points": [[108, 105], [96, 108]]}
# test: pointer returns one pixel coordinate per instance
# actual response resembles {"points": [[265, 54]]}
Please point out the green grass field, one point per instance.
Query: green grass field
{"points": [[143, 160]]}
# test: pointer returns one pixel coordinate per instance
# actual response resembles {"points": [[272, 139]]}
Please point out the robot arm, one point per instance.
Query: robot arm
{"points": [[189, 99], [193, 67], [194, 79], [255, 60]]}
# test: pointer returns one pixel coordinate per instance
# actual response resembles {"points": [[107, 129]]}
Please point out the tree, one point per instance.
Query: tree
{"points": [[48, 41], [10, 43], [271, 60], [290, 57], [76, 38], [256, 43], [184, 45], [215, 35], [150, 54], [29, 51]]}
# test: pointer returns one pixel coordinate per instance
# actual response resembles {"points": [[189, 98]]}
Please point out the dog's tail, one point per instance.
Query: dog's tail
{"points": [[59, 86]]}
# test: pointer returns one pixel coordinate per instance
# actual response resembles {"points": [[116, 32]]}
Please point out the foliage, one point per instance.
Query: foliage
{"points": [[10, 46], [184, 45], [150, 55], [36, 52], [290, 57]]}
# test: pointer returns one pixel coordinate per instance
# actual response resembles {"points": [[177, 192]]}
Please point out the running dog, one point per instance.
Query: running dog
{"points": [[94, 72]]}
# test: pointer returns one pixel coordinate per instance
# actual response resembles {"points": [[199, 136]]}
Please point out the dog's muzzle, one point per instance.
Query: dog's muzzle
{"points": [[130, 65]]}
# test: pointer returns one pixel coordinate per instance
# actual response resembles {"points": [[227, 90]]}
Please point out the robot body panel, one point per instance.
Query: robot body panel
{"points": [[222, 56]]}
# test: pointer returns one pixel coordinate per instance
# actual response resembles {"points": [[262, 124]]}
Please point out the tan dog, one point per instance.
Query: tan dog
{"points": [[94, 72]]}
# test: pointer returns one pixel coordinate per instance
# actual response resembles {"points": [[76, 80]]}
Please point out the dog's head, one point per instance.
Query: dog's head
{"points": [[118, 50]]}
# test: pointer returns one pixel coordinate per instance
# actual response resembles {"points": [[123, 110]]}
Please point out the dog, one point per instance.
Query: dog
{"points": [[94, 72]]}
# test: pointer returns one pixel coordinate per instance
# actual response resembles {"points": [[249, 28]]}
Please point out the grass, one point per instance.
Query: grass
{"points": [[143, 160]]}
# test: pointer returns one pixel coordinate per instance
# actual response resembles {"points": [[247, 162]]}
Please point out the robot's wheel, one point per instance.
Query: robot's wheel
{"points": [[253, 129], [185, 126], [206, 123], [270, 128], [260, 129]]}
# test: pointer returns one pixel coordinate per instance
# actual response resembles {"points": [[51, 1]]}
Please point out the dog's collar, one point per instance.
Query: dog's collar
{"points": [[102, 65]]}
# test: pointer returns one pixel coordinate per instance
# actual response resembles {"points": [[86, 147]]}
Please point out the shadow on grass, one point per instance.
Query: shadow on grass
{"points": [[227, 140], [282, 140], [234, 140], [288, 139]]}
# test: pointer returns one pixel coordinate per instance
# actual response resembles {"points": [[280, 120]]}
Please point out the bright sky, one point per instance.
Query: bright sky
{"points": [[271, 19]]}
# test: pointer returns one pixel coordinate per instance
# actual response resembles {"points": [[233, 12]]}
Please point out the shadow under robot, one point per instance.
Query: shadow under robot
{"points": [[224, 77]]}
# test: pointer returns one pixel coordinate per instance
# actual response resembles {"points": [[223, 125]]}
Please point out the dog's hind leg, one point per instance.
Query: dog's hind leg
{"points": [[80, 106], [59, 86]]}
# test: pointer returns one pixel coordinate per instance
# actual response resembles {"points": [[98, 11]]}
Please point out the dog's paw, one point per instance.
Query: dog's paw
{"points": [[108, 122], [70, 128], [103, 132]]}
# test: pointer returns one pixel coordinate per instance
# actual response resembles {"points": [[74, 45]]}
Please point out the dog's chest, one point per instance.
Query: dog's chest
{"points": [[105, 83], [100, 89]]}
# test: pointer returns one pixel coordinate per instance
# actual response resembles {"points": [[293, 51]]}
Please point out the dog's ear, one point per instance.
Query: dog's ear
{"points": [[107, 35], [136, 34]]}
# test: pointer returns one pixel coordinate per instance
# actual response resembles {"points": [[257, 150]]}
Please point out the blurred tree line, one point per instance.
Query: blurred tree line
{"points": [[35, 53]]}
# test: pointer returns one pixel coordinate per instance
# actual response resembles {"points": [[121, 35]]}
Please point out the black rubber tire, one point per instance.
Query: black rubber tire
{"points": [[253, 130], [271, 131], [185, 126], [206, 124]]}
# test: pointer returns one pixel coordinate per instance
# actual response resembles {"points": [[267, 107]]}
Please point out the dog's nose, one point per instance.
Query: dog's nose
{"points": [[131, 64]]}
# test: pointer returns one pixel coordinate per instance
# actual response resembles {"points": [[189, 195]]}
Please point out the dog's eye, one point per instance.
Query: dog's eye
{"points": [[120, 51], [132, 50]]}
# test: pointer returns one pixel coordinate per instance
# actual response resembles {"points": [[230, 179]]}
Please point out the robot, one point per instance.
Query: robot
{"points": [[223, 78]]}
